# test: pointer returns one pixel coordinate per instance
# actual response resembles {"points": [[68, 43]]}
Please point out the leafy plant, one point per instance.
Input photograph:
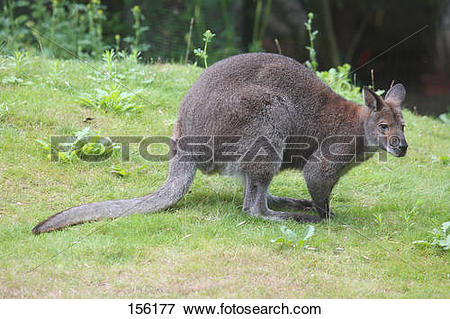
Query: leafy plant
{"points": [[120, 171], [337, 78], [409, 215], [111, 100], [3, 111], [85, 143], [139, 30], [444, 160], [109, 58], [56, 25], [378, 218], [441, 237], [291, 239], [260, 27], [312, 63], [95, 15], [202, 53], [119, 66], [18, 60], [445, 117], [13, 28]]}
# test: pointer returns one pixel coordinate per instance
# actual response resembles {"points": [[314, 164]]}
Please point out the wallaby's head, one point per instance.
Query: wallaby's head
{"points": [[384, 126]]}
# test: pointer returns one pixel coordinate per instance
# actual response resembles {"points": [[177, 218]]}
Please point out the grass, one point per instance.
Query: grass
{"points": [[205, 246]]}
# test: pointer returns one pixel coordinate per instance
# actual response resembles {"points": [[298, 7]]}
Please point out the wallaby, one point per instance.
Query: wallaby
{"points": [[265, 97]]}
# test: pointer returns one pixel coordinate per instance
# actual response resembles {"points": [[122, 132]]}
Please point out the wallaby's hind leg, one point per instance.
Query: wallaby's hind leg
{"points": [[249, 194], [259, 205], [293, 203], [320, 178]]}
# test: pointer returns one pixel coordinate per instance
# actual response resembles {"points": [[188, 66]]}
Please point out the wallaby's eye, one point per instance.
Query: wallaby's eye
{"points": [[383, 127]]}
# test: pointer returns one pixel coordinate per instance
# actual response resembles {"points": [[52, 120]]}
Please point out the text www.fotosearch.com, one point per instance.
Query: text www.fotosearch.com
{"points": [[233, 309]]}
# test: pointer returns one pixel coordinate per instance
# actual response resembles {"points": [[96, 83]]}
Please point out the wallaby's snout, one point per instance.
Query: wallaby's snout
{"points": [[403, 147], [397, 146]]}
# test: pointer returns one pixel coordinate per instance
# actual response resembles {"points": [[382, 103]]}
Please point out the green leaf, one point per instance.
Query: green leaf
{"points": [[445, 117], [300, 243], [119, 171], [421, 242], [445, 160], [45, 144], [83, 133], [278, 240], [22, 3], [446, 243], [291, 235], [445, 226], [308, 232]]}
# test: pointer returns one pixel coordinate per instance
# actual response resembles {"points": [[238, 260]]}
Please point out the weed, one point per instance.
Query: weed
{"points": [[443, 159], [68, 25], [312, 63], [109, 58], [337, 78], [132, 57], [409, 215], [260, 27], [134, 41], [441, 237], [291, 239], [111, 100], [3, 111], [202, 53], [445, 117], [85, 143], [118, 170], [18, 60], [119, 66], [13, 27], [95, 18], [379, 220]]}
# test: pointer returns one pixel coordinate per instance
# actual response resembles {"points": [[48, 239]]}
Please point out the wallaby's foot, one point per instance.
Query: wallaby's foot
{"points": [[324, 210], [256, 199], [274, 215], [282, 216], [293, 203], [249, 195]]}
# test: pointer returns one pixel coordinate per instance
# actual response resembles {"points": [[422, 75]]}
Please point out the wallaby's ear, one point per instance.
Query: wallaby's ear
{"points": [[372, 100], [396, 94]]}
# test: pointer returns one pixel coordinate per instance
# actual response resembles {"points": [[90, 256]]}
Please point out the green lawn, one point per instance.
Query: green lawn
{"points": [[205, 246]]}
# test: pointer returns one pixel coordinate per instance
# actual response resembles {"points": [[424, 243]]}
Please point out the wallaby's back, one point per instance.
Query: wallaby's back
{"points": [[233, 93]]}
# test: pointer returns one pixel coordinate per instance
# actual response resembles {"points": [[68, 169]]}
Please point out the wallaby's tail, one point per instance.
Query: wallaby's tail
{"points": [[175, 187]]}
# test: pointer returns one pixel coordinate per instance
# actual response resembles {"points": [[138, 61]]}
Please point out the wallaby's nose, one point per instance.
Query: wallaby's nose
{"points": [[403, 147]]}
